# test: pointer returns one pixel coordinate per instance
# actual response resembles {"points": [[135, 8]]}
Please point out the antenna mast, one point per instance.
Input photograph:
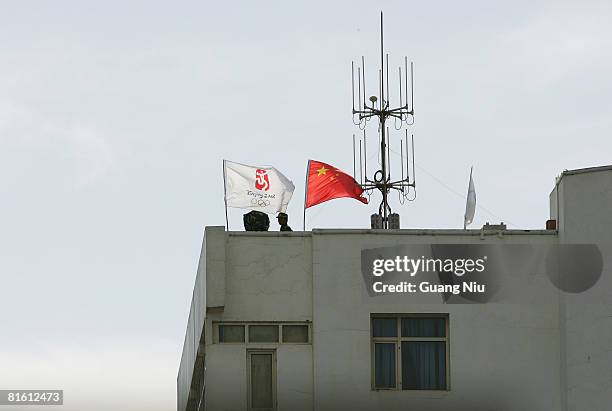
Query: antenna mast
{"points": [[402, 115]]}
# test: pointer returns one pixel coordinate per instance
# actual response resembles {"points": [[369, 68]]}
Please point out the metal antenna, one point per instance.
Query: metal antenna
{"points": [[380, 107], [354, 168], [365, 153], [360, 165]]}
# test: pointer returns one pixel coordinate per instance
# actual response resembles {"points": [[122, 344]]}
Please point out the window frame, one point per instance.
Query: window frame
{"points": [[398, 339], [308, 334], [217, 333], [248, 334], [247, 324]]}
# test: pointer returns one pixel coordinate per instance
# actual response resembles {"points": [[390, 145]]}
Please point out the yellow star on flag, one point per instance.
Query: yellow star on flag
{"points": [[322, 171]]}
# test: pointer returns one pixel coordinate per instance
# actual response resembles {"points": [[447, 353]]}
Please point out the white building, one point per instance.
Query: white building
{"points": [[278, 321]]}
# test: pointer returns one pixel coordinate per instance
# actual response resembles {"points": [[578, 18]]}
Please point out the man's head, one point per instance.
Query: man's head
{"points": [[282, 218]]}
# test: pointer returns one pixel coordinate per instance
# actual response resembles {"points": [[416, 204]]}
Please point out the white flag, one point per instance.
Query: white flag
{"points": [[470, 205], [263, 189]]}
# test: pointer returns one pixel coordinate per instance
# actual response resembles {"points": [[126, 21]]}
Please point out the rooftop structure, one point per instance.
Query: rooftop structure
{"points": [[282, 321]]}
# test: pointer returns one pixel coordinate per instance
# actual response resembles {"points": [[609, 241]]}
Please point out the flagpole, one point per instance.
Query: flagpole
{"points": [[305, 194], [468, 196], [225, 197]]}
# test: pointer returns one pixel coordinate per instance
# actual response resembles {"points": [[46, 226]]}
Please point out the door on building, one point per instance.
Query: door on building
{"points": [[261, 380]]}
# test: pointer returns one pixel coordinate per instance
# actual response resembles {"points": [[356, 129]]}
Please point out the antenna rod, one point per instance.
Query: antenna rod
{"points": [[400, 85], [360, 162], [382, 62], [402, 159], [406, 74], [353, 84], [364, 83], [365, 155], [383, 164], [412, 87], [388, 158], [354, 157], [413, 173], [380, 89], [388, 95], [359, 87], [407, 159]]}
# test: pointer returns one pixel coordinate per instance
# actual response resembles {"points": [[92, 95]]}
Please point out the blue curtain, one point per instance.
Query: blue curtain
{"points": [[423, 365], [384, 362], [423, 327]]}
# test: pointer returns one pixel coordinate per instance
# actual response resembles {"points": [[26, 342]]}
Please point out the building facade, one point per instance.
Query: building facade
{"points": [[280, 321]]}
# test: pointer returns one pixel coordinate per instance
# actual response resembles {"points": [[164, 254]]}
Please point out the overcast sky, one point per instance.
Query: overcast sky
{"points": [[115, 118]]}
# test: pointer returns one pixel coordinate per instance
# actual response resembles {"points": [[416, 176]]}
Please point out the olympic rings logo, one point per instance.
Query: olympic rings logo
{"points": [[260, 202]]}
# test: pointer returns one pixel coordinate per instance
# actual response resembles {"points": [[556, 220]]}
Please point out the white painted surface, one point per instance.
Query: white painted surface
{"points": [[497, 350], [585, 200]]}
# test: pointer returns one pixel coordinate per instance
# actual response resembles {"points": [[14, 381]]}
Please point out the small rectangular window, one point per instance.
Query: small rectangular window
{"points": [[263, 333], [295, 333], [231, 333], [384, 327]]}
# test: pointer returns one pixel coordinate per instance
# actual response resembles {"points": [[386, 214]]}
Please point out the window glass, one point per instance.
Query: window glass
{"points": [[384, 327], [295, 333], [384, 360], [263, 333], [423, 327], [231, 333], [423, 365]]}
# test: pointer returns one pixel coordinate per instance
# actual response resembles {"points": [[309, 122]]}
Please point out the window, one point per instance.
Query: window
{"points": [[410, 352], [231, 333], [261, 333], [295, 334]]}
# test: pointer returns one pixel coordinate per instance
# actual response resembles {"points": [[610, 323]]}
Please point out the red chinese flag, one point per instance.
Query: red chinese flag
{"points": [[326, 182]]}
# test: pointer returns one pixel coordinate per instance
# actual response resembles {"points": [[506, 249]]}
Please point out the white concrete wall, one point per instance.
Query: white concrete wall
{"points": [[585, 216], [268, 278], [212, 260], [226, 384], [502, 356]]}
